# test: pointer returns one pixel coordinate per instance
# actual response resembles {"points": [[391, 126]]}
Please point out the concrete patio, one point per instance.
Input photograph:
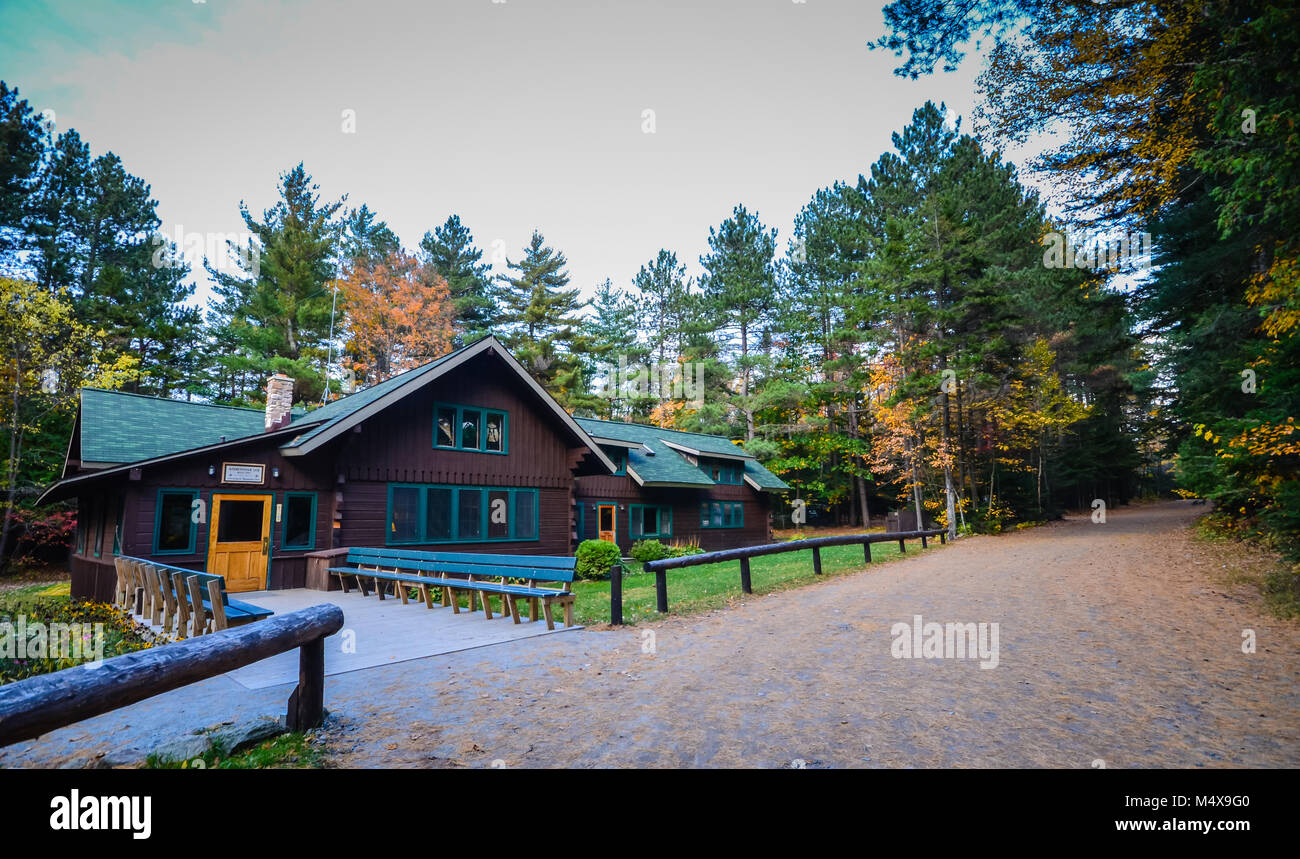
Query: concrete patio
{"points": [[379, 632]]}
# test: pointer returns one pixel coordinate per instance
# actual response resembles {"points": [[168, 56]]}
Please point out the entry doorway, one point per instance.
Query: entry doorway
{"points": [[239, 541], [607, 523]]}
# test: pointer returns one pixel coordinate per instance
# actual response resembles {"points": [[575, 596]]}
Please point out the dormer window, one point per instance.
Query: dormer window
{"points": [[619, 455], [458, 427], [723, 471]]}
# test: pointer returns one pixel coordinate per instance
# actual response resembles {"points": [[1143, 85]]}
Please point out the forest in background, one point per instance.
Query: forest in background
{"points": [[928, 337]]}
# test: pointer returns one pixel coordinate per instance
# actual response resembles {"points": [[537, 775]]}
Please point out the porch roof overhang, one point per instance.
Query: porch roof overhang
{"points": [[71, 487]]}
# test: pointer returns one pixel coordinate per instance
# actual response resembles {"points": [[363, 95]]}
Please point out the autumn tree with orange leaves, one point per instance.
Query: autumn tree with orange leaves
{"points": [[398, 314]]}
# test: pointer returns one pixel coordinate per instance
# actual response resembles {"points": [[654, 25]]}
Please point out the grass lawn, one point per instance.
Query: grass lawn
{"points": [[709, 586], [287, 751]]}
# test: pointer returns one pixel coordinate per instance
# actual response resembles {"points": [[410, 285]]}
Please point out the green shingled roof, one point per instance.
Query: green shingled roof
{"points": [[333, 412], [764, 478], [669, 466], [120, 427]]}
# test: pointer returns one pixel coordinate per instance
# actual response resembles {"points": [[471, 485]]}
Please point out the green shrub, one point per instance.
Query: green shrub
{"points": [[688, 549], [650, 550], [595, 557]]}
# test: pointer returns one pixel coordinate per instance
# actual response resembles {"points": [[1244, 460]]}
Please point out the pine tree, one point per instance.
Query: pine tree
{"points": [[278, 306], [611, 329], [663, 285], [22, 145], [740, 285], [366, 239], [539, 318], [450, 251]]}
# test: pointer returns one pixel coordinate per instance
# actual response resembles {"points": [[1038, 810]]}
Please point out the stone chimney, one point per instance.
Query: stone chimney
{"points": [[279, 401]]}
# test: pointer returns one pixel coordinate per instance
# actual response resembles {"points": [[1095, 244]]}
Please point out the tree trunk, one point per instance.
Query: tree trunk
{"points": [[744, 382], [12, 469]]}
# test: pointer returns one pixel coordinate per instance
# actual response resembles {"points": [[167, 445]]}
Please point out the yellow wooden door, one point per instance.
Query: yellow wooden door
{"points": [[239, 540], [607, 520]]}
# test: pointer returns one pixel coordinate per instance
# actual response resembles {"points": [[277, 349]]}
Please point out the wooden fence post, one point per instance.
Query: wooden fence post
{"points": [[616, 594], [307, 703], [661, 567]]}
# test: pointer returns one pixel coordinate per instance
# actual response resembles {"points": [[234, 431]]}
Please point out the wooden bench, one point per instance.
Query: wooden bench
{"points": [[510, 578], [178, 600]]}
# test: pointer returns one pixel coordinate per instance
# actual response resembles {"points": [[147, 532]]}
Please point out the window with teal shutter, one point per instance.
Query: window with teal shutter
{"points": [[650, 520], [423, 513], [722, 514], [458, 427], [299, 527]]}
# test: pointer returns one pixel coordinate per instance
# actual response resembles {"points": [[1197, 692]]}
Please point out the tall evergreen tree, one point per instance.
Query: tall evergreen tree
{"points": [[278, 305], [740, 284], [450, 251], [93, 229], [366, 239], [541, 324], [611, 329], [663, 285], [22, 149]]}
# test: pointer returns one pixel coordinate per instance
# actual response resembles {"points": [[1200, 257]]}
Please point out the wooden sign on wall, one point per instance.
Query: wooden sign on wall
{"points": [[243, 472]]}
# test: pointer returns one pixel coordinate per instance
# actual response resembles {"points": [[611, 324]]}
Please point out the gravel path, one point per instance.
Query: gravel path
{"points": [[1119, 642]]}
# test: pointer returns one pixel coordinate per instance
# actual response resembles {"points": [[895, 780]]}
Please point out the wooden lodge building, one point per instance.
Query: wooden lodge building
{"points": [[466, 452], [672, 485]]}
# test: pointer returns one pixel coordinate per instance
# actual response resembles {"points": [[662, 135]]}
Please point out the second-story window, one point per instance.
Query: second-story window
{"points": [[723, 471], [459, 427]]}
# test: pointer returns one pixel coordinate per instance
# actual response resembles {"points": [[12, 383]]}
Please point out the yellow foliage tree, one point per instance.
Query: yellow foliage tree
{"points": [[48, 357]]}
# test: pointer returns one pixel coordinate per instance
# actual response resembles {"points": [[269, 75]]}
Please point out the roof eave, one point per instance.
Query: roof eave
{"points": [[616, 442], [668, 484], [760, 488], [487, 344], [157, 460], [742, 457]]}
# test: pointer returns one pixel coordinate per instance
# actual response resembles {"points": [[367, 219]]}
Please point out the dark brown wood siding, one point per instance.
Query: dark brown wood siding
{"points": [[140, 499], [93, 579], [396, 446]]}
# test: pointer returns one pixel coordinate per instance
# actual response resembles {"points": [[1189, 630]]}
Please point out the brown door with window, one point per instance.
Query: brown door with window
{"points": [[239, 540], [607, 520]]}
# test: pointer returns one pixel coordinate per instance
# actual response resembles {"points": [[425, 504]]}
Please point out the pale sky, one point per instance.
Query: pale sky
{"points": [[515, 114]]}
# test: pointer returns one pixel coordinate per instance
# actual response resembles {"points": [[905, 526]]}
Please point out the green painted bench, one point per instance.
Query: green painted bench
{"points": [[510, 578], [180, 600]]}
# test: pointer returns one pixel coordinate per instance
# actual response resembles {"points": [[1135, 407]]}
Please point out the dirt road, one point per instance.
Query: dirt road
{"points": [[1117, 642]]}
